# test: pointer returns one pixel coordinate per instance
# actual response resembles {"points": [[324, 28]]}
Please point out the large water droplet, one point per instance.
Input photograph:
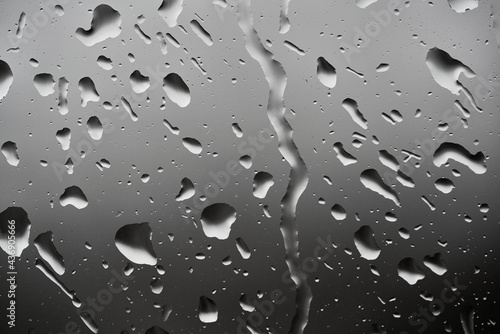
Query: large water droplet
{"points": [[327, 74], [88, 91], [94, 127], [44, 84], [63, 136], [140, 83], [156, 330], [435, 263], [447, 151], [193, 145], [338, 212], [187, 190], [444, 185], [9, 150], [49, 253], [207, 310], [105, 24], [201, 32], [177, 90], [217, 219], [6, 78], [74, 196], [409, 270], [372, 180], [461, 6], [170, 10], [365, 243], [243, 248], [134, 241], [262, 181], [18, 219], [352, 108]]}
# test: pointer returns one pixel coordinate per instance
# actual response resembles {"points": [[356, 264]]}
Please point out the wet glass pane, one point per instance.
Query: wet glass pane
{"points": [[249, 166]]}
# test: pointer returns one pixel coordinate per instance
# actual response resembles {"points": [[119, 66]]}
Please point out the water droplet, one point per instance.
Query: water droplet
{"points": [[44, 84], [63, 136], [140, 83], [134, 241], [105, 24], [187, 190], [207, 310], [94, 127], [74, 196], [9, 150], [435, 263], [371, 179], [461, 6], [345, 158], [327, 74], [217, 219], [22, 226], [6, 78], [352, 108], [409, 270], [193, 145], [365, 243], [88, 91], [156, 286], [262, 182], [444, 185], [243, 248], [201, 32], [177, 90], [49, 253], [447, 151], [338, 212], [170, 10], [105, 63]]}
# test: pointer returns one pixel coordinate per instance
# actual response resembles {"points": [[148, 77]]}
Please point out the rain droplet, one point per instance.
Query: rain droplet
{"points": [[409, 270], [444, 185], [243, 248], [435, 263], [63, 136], [94, 127], [22, 228], [9, 150], [105, 24], [6, 78], [177, 90], [201, 32], [44, 84], [105, 63], [365, 243], [352, 108], [74, 195], [207, 310], [371, 179], [49, 253], [338, 212], [88, 91], [134, 241], [262, 182], [140, 83], [193, 145], [187, 190], [170, 10], [447, 151], [217, 219], [327, 74]]}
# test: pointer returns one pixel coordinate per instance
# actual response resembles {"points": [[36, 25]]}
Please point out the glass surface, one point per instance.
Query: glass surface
{"points": [[249, 166]]}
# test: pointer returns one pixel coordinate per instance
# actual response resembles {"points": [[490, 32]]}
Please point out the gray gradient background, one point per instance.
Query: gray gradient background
{"points": [[344, 298]]}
